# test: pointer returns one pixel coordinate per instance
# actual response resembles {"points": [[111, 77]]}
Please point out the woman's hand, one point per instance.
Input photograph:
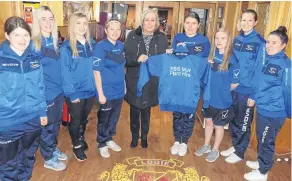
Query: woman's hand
{"points": [[250, 102], [44, 121], [169, 51], [210, 61], [76, 100], [102, 99], [233, 86], [142, 58]]}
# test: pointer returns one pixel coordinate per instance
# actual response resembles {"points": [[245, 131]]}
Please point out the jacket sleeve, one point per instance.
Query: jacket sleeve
{"points": [[234, 69], [286, 83], [41, 87], [152, 67], [132, 52], [67, 82], [98, 57], [206, 49], [206, 81], [260, 59], [174, 42]]}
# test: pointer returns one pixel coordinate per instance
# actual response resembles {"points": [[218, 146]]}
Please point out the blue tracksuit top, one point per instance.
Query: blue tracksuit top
{"points": [[51, 67], [272, 91], [180, 77], [198, 44], [77, 72], [109, 60], [247, 50], [220, 83], [22, 90]]}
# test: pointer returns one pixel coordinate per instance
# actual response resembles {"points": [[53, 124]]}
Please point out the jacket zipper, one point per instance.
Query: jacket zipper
{"points": [[156, 49], [138, 49]]}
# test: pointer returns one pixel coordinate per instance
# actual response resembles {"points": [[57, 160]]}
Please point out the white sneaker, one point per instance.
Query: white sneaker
{"points": [[253, 165], [112, 145], [255, 175], [228, 152], [104, 152], [175, 147], [233, 158], [183, 148]]}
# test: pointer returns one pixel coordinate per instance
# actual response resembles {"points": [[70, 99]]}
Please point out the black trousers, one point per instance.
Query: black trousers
{"points": [[135, 120], [79, 112]]}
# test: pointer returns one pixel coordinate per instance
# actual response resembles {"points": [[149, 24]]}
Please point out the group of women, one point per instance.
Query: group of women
{"points": [[37, 77]]}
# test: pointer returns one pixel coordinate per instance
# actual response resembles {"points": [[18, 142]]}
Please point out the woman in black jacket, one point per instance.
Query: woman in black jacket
{"points": [[140, 44]]}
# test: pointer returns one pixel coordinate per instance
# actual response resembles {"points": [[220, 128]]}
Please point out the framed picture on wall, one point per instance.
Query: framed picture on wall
{"points": [[70, 7], [220, 12]]}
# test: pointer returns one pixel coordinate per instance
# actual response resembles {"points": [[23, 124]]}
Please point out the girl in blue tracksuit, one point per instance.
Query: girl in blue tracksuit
{"points": [[77, 78], [108, 65], [199, 45], [248, 48], [218, 110], [272, 96], [22, 102], [45, 39]]}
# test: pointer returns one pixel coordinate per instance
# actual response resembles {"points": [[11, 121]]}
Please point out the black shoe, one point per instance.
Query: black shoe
{"points": [[134, 144], [79, 154], [83, 143], [144, 144]]}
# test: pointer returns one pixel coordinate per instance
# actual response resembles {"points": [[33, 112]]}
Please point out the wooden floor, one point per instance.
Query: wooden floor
{"points": [[138, 164]]}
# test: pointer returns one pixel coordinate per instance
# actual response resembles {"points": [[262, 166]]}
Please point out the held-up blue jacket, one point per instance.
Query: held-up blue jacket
{"points": [[109, 60], [220, 83], [272, 91], [248, 50], [22, 90], [77, 72], [180, 75], [51, 67], [198, 45]]}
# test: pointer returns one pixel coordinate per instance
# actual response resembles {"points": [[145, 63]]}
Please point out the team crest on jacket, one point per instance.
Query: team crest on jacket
{"points": [[272, 69], [198, 48], [34, 64]]}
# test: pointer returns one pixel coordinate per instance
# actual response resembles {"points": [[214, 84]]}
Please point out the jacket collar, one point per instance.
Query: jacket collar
{"points": [[8, 52], [251, 34], [281, 54]]}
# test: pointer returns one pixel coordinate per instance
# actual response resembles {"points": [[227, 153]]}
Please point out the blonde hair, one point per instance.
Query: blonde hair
{"points": [[227, 51], [36, 29], [71, 34], [153, 10]]}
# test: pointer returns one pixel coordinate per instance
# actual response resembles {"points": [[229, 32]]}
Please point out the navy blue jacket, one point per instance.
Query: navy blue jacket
{"points": [[248, 50], [272, 91], [51, 67], [22, 90], [180, 77], [198, 44], [77, 72], [220, 83], [109, 60]]}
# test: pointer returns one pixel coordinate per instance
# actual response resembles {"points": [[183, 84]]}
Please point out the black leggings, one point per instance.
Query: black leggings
{"points": [[79, 112]]}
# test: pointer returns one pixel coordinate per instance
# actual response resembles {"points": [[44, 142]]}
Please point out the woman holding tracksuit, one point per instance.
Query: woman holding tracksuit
{"points": [[248, 48], [108, 64], [22, 102], [77, 78], [272, 96], [45, 43], [199, 45]]}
